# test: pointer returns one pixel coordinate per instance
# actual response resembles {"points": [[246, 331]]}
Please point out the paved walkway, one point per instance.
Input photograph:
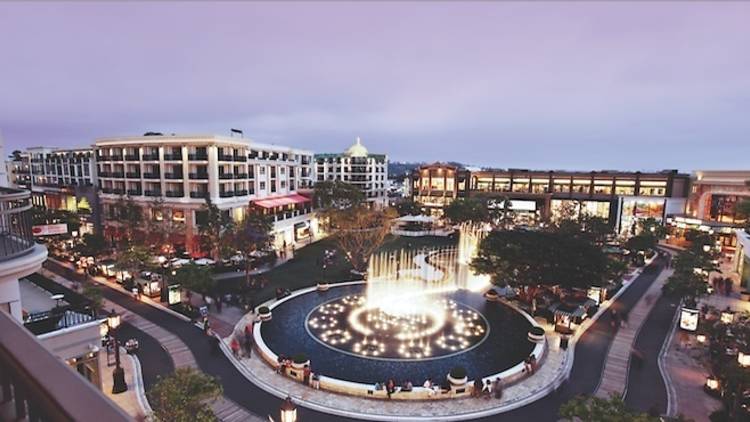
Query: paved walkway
{"points": [[224, 408], [615, 374]]}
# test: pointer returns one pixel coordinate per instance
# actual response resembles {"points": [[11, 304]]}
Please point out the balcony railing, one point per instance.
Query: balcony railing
{"points": [[239, 158], [225, 157], [226, 194], [240, 175], [133, 175], [241, 192], [152, 193], [175, 194], [173, 157], [135, 192], [199, 195], [36, 386], [151, 175], [198, 176], [117, 174], [225, 176], [132, 157], [198, 157], [16, 236], [150, 157], [173, 176]]}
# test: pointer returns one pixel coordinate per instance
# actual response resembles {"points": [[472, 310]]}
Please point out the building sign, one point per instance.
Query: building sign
{"points": [[689, 319], [49, 229]]}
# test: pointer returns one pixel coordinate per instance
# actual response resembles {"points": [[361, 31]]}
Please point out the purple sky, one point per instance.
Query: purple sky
{"points": [[588, 85]]}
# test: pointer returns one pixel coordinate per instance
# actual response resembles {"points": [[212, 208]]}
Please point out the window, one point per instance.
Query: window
{"points": [[262, 185]]}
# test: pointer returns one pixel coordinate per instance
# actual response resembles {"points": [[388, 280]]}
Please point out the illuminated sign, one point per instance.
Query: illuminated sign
{"points": [[689, 319], [49, 229]]}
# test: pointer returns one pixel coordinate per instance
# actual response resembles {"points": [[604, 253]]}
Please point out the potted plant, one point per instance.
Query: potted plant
{"points": [[299, 361], [264, 313], [491, 295], [457, 376], [536, 334]]}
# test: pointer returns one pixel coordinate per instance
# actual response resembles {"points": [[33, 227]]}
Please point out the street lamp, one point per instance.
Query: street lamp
{"points": [[288, 410], [118, 375]]}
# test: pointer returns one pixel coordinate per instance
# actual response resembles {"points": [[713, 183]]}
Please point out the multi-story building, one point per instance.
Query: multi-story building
{"points": [[183, 172], [357, 166], [59, 179], [620, 197], [711, 206]]}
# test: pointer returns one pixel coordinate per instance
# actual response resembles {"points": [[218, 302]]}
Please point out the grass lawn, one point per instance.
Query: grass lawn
{"points": [[305, 269]]}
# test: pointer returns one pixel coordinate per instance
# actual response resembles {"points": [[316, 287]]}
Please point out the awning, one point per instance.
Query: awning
{"points": [[281, 201]]}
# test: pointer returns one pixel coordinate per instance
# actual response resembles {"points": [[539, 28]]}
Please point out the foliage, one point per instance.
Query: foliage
{"points": [[185, 396], [360, 231], [130, 216], [458, 372], [214, 228], [134, 259], [533, 258], [94, 295], [408, 207], [692, 267], [42, 216], [653, 226], [688, 285], [463, 210], [336, 194], [161, 230], [197, 278], [641, 242], [93, 245], [251, 235], [595, 409], [743, 210]]}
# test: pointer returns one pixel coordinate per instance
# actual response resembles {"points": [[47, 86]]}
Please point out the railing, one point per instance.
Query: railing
{"points": [[224, 176], [132, 157], [240, 175], [173, 157], [198, 176], [16, 236], [150, 157], [225, 157], [198, 157], [39, 387], [133, 175], [199, 195], [151, 175], [152, 193], [173, 176], [175, 194], [226, 194]]}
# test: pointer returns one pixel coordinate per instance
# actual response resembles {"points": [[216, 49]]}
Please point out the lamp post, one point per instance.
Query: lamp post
{"points": [[118, 375], [288, 410]]}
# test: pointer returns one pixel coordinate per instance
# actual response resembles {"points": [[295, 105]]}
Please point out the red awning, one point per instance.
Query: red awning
{"points": [[281, 201]]}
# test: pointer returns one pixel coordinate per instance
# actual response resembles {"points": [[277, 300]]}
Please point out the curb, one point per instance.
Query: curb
{"points": [[662, 361], [140, 389]]}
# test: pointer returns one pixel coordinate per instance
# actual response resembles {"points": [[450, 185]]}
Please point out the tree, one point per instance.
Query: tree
{"points": [[692, 268], [467, 210], [214, 227], [743, 210], [641, 242], [93, 245], [92, 293], [359, 231], [532, 258], [196, 278], [595, 409], [597, 229], [134, 259], [336, 194], [185, 396], [408, 207], [130, 217], [161, 227], [252, 235], [653, 226]]}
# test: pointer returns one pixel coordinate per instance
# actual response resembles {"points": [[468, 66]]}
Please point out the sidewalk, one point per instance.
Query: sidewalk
{"points": [[129, 401], [615, 374], [224, 408]]}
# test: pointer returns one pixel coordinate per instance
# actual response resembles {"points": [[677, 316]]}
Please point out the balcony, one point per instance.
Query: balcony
{"points": [[240, 175], [152, 193], [175, 194], [225, 176], [173, 157], [39, 387], [241, 192], [150, 157], [98, 158], [198, 157], [199, 195], [117, 174], [132, 157], [133, 175], [135, 192], [226, 194], [239, 158], [16, 237], [103, 174], [107, 190], [151, 175], [173, 176], [118, 191], [198, 176]]}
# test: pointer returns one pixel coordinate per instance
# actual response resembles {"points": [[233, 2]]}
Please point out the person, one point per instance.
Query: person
{"points": [[407, 386], [428, 385], [532, 363], [498, 388], [390, 387], [487, 390], [280, 363], [206, 325], [527, 365], [477, 390], [235, 346], [306, 371], [315, 381]]}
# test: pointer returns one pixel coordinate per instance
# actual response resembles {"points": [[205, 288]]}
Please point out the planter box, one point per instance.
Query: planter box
{"points": [[323, 287], [536, 337], [265, 317], [491, 296], [457, 381], [296, 365]]}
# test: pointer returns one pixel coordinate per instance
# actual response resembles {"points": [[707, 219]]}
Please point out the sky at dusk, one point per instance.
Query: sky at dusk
{"points": [[585, 85]]}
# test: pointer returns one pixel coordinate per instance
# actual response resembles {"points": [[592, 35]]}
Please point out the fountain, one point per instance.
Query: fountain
{"points": [[404, 313]]}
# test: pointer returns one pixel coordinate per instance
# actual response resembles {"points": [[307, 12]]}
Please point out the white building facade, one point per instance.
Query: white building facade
{"points": [[182, 172], [359, 167]]}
